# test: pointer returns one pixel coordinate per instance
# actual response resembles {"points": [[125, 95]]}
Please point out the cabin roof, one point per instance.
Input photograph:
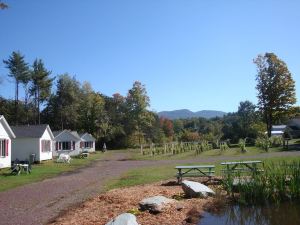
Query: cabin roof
{"points": [[31, 131], [7, 127]]}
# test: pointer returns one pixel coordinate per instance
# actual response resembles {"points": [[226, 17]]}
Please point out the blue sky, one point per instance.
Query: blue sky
{"points": [[190, 54]]}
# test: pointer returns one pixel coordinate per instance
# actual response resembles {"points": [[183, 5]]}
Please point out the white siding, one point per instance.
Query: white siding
{"points": [[22, 148], [86, 137], [90, 149], [66, 136], [5, 161], [45, 155], [75, 152]]}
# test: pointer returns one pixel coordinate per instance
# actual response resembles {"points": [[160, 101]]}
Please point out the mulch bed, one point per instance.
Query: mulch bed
{"points": [[101, 209]]}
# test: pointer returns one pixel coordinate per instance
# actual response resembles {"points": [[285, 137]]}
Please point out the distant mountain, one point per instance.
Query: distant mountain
{"points": [[185, 113]]}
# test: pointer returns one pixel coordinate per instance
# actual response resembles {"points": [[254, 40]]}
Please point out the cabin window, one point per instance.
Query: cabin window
{"points": [[65, 145], [46, 145], [88, 144], [3, 147]]}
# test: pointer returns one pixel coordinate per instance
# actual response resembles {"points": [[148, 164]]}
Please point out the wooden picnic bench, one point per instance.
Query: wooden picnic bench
{"points": [[242, 167], [21, 167], [194, 171]]}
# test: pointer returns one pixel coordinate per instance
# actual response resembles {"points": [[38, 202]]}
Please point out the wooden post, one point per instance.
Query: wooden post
{"points": [[142, 149], [151, 149]]}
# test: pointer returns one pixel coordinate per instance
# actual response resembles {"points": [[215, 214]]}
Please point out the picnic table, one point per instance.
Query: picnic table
{"points": [[243, 166], [20, 167], [194, 171]]}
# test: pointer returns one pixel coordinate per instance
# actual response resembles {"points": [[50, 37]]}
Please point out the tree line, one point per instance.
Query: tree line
{"points": [[126, 121]]}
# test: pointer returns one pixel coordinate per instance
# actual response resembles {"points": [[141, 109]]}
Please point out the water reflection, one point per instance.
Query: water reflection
{"points": [[284, 214]]}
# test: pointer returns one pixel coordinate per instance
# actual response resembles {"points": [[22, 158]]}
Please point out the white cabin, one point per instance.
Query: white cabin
{"points": [[32, 139], [6, 135], [67, 142], [87, 142]]}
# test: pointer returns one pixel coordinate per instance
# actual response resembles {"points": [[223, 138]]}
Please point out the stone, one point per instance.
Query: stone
{"points": [[155, 204], [124, 219], [179, 206], [194, 189]]}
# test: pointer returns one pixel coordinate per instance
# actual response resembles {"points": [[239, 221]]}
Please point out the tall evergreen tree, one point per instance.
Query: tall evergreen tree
{"points": [[19, 71], [41, 85], [275, 86]]}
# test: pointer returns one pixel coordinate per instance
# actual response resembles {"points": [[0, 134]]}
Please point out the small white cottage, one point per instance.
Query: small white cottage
{"points": [[87, 142], [67, 142], [6, 135], [32, 139]]}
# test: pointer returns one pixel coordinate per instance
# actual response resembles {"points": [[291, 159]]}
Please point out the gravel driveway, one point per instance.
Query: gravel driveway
{"points": [[39, 202]]}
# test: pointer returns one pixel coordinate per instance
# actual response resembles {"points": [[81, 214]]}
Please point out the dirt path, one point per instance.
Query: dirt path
{"points": [[39, 202]]}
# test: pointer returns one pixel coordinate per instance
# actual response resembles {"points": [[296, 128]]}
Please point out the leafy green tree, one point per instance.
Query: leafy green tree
{"points": [[137, 102], [19, 72], [62, 110], [275, 86], [41, 85], [92, 117], [247, 116]]}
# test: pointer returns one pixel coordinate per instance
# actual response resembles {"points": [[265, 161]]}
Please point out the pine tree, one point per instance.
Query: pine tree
{"points": [[19, 71], [41, 85]]}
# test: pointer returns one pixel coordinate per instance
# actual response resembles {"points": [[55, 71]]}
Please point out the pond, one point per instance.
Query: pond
{"points": [[283, 214]]}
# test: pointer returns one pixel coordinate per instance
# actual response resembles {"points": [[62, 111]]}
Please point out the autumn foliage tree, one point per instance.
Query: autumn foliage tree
{"points": [[275, 86], [167, 127]]}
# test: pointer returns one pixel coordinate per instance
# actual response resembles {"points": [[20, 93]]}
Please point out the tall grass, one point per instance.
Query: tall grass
{"points": [[277, 183]]}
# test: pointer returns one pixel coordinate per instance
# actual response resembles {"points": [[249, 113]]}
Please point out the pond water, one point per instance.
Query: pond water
{"points": [[283, 214]]}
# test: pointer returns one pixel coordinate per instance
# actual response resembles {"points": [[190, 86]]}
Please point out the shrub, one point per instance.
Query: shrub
{"points": [[276, 141], [242, 145], [263, 142]]}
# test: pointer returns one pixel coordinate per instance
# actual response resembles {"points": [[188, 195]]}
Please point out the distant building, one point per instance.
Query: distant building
{"points": [[294, 127], [32, 139], [6, 135], [278, 130], [88, 142], [67, 142]]}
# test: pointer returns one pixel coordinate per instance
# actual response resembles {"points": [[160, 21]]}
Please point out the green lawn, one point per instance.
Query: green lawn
{"points": [[158, 173], [44, 170]]}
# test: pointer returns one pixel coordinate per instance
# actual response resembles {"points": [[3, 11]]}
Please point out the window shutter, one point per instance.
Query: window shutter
{"points": [[56, 146], [6, 149], [73, 145], [81, 144]]}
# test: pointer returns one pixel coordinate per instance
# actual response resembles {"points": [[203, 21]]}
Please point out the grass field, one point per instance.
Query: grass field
{"points": [[158, 173], [43, 171]]}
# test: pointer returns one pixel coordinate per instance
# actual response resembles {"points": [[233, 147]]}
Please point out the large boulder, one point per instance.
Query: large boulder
{"points": [[124, 219], [194, 189], [155, 204]]}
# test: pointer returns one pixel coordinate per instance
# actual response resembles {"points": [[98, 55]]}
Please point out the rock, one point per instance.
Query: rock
{"points": [[194, 189], [124, 219], [155, 204], [179, 207]]}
